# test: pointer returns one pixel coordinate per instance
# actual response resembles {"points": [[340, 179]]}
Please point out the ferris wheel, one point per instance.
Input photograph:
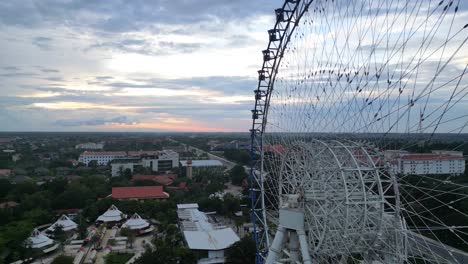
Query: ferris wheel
{"points": [[347, 93]]}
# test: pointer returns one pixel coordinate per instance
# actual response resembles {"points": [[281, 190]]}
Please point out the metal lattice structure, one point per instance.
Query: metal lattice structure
{"points": [[341, 82]]}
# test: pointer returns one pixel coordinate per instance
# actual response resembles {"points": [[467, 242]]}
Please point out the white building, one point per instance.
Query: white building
{"points": [[113, 214], [208, 239], [158, 161], [102, 158], [429, 164], [66, 223], [90, 145], [119, 166], [39, 241], [203, 163]]}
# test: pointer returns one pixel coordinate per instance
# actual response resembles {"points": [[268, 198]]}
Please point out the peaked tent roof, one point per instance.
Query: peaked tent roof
{"points": [[38, 240], [136, 222], [65, 222], [113, 214]]}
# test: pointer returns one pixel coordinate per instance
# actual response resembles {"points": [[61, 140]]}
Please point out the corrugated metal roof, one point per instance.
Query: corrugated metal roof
{"points": [[202, 163], [199, 233], [211, 240]]}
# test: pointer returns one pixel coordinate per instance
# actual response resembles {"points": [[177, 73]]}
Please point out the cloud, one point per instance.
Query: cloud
{"points": [[10, 68], [145, 47], [43, 43], [95, 122], [49, 70]]}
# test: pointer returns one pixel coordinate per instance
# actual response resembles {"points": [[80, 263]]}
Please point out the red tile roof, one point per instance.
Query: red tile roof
{"points": [[277, 148], [164, 179], [431, 157], [5, 172], [88, 153], [8, 204], [139, 153], [141, 192], [181, 187]]}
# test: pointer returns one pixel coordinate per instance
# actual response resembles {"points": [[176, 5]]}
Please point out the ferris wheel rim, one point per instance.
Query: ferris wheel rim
{"points": [[267, 77]]}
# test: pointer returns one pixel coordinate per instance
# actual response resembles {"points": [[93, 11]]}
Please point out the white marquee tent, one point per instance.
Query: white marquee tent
{"points": [[136, 222], [64, 222], [113, 214], [38, 240]]}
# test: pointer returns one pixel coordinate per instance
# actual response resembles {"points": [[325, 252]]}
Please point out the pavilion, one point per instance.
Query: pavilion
{"points": [[113, 214], [138, 224], [39, 241], [66, 223]]}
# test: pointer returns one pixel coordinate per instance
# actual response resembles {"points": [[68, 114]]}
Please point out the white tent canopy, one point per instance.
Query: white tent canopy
{"points": [[38, 240], [111, 215], [136, 222], [65, 223]]}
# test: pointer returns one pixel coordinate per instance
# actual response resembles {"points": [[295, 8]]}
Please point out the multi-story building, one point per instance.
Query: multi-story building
{"points": [[90, 145], [428, 164], [158, 161], [102, 158], [206, 238]]}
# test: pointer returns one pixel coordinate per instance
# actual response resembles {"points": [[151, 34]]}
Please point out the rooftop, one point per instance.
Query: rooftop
{"points": [[140, 192], [164, 179], [104, 153], [200, 233], [431, 157], [202, 163]]}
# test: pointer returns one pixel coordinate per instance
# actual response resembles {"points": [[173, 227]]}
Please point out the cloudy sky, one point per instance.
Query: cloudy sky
{"points": [[160, 65]]}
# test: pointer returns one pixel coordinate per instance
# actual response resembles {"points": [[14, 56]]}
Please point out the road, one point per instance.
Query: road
{"points": [[229, 164]]}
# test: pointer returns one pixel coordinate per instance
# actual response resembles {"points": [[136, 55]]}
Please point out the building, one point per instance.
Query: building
{"points": [[207, 239], [113, 214], [158, 161], [202, 163], [194, 168], [118, 167], [66, 223], [431, 164], [8, 204], [164, 179], [90, 145], [5, 173], [139, 192], [138, 224], [41, 242], [102, 158]]}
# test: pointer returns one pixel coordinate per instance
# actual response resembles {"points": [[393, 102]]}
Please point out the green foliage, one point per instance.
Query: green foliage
{"points": [[130, 234], [242, 251], [14, 236], [237, 174], [226, 206], [118, 258], [63, 260], [5, 187], [167, 253], [239, 155]]}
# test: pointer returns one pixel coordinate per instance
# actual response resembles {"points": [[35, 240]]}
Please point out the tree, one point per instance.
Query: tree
{"points": [[166, 253], [127, 174], [93, 164], [118, 258], [237, 174], [130, 234], [82, 230], [5, 187], [63, 260], [243, 251]]}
